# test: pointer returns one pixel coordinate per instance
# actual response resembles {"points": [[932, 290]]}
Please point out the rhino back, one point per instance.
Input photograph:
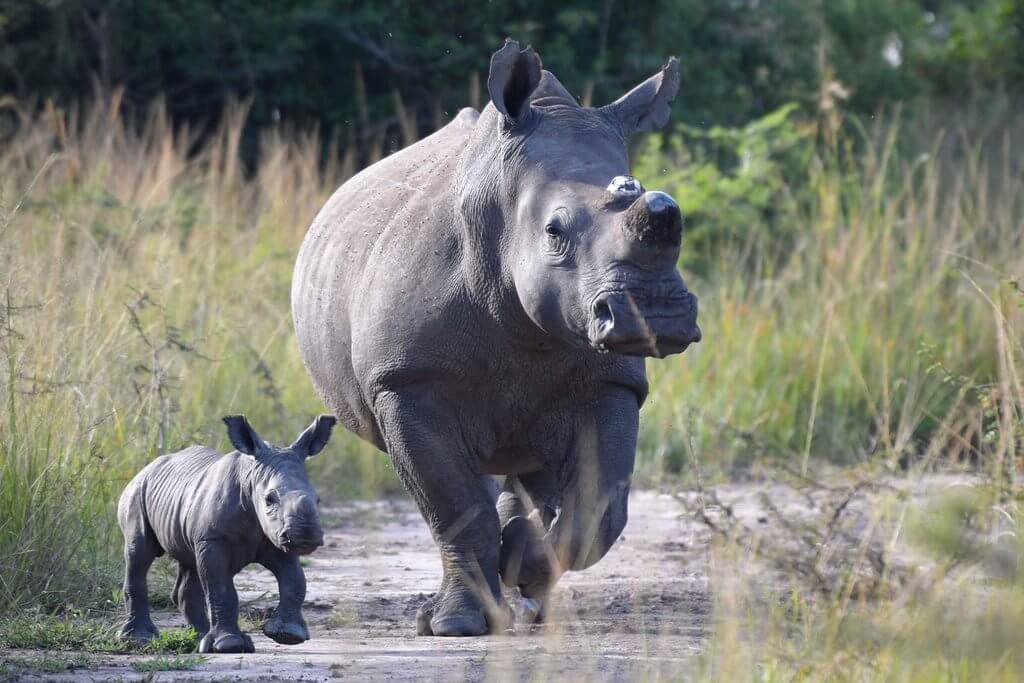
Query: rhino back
{"points": [[384, 241], [168, 487]]}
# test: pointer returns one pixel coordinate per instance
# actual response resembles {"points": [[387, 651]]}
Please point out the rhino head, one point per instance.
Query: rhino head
{"points": [[588, 255], [278, 487]]}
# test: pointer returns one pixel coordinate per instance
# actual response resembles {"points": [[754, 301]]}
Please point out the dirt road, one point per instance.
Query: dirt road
{"points": [[640, 612]]}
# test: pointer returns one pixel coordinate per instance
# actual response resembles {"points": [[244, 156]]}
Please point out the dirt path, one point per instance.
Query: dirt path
{"points": [[641, 611]]}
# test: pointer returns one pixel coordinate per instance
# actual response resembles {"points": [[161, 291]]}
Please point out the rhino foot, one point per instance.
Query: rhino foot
{"points": [[530, 610], [138, 632], [286, 632], [459, 615], [527, 559], [226, 642]]}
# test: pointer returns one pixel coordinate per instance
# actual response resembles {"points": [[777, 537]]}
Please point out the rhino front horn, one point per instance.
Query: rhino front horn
{"points": [[655, 221]]}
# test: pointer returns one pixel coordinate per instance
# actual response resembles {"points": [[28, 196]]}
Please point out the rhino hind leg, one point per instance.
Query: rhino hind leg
{"points": [[189, 598], [526, 508], [140, 549], [425, 445]]}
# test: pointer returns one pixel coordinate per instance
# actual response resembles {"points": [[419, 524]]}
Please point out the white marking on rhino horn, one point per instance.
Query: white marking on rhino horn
{"points": [[625, 186]]}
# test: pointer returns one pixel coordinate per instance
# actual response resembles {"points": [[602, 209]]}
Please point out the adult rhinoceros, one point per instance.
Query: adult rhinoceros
{"points": [[481, 303]]}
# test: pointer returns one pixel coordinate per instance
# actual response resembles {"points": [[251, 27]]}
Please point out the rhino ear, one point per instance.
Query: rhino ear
{"points": [[316, 436], [648, 105], [243, 437], [514, 76]]}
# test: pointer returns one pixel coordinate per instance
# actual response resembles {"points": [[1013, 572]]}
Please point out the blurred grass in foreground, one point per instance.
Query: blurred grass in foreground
{"points": [[864, 310], [948, 604]]}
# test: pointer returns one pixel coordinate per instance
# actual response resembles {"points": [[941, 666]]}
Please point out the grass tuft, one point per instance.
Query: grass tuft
{"points": [[40, 632], [175, 663]]}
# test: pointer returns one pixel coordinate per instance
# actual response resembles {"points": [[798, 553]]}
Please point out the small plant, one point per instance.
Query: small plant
{"points": [[172, 663]]}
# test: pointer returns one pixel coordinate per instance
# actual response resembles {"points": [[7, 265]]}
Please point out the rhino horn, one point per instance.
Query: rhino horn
{"points": [[654, 220]]}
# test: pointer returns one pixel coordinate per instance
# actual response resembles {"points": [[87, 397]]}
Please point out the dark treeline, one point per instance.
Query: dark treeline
{"points": [[387, 70]]}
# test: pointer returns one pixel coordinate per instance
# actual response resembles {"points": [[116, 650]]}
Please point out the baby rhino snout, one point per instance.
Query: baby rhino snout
{"points": [[301, 533]]}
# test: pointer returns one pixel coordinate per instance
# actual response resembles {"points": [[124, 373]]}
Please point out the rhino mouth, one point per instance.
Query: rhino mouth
{"points": [[626, 323], [301, 543]]}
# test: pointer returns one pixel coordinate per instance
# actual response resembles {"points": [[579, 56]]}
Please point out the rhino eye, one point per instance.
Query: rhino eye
{"points": [[554, 230], [271, 498]]}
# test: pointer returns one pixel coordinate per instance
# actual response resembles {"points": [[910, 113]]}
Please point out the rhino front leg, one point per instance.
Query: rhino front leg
{"points": [[287, 625], [424, 440], [595, 499], [218, 584]]}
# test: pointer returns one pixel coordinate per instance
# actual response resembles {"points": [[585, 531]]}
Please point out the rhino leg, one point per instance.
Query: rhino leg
{"points": [[287, 625], [526, 508], [140, 549], [440, 471], [594, 501], [217, 579], [189, 598]]}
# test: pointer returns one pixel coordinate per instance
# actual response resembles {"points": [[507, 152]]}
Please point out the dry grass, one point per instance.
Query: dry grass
{"points": [[145, 293]]}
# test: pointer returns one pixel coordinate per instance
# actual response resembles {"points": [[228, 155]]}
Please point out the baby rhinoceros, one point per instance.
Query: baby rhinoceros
{"points": [[215, 513]]}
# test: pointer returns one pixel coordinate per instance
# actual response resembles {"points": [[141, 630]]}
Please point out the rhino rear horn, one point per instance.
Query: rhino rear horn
{"points": [[514, 76], [648, 105]]}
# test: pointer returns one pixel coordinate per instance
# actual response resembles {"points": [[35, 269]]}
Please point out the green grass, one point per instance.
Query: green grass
{"points": [[881, 329], [176, 663], [42, 632]]}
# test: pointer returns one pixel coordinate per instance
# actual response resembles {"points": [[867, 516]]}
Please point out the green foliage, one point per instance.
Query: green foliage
{"points": [[846, 317], [44, 632], [340, 62], [734, 185]]}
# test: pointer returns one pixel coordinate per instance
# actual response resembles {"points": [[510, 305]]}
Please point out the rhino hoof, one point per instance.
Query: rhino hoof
{"points": [[286, 633], [226, 643], [459, 625], [138, 633], [529, 611], [424, 614]]}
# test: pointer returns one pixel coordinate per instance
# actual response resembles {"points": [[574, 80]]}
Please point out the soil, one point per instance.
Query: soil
{"points": [[642, 612]]}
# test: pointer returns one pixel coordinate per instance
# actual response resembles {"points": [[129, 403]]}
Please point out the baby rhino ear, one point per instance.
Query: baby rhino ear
{"points": [[316, 436], [243, 437]]}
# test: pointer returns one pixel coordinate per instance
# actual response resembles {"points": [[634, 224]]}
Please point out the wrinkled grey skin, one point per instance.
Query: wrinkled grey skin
{"points": [[481, 303], [215, 514]]}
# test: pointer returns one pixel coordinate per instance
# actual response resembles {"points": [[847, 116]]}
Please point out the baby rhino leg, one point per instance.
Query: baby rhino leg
{"points": [[217, 578], [287, 625], [140, 549], [189, 598]]}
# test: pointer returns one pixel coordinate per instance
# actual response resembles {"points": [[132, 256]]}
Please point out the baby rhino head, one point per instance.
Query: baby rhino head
{"points": [[284, 500]]}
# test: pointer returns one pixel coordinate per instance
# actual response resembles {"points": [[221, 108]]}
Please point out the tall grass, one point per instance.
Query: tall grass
{"points": [[144, 292], [872, 316]]}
